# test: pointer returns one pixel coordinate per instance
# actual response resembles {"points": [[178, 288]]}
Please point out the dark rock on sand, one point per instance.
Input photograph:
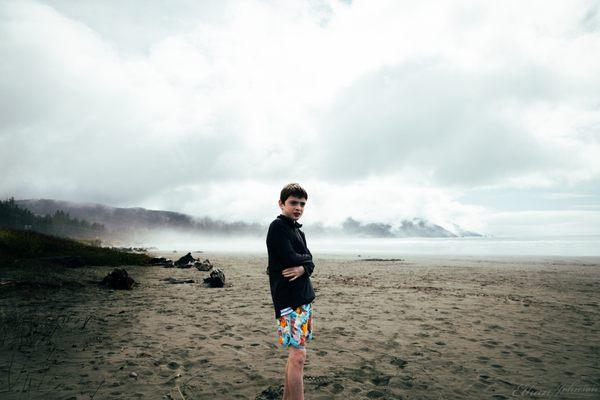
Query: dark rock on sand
{"points": [[185, 260], [188, 265], [118, 279], [205, 265], [216, 278]]}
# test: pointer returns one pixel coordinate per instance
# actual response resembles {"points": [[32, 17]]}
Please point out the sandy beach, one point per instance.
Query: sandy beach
{"points": [[416, 328]]}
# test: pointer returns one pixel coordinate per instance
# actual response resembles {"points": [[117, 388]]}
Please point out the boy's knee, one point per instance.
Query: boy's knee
{"points": [[297, 356]]}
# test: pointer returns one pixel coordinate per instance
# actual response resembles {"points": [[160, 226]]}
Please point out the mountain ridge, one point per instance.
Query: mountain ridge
{"points": [[139, 220]]}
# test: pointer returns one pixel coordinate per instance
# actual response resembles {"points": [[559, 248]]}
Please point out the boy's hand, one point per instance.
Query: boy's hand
{"points": [[293, 272]]}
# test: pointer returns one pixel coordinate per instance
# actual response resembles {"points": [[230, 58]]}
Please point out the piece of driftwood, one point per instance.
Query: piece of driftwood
{"points": [[177, 280]]}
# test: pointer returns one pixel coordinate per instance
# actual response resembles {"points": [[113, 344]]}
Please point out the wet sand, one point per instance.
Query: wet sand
{"points": [[420, 328]]}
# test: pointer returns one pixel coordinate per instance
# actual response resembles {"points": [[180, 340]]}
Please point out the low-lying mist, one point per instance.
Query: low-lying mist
{"points": [[362, 246]]}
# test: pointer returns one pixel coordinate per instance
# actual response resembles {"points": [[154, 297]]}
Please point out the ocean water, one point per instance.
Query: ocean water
{"points": [[480, 246], [588, 246]]}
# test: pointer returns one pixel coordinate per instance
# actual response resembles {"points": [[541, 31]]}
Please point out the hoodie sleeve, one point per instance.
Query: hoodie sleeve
{"points": [[309, 266], [279, 242]]}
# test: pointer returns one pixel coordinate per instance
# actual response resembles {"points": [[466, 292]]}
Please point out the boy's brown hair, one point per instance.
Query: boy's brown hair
{"points": [[292, 189]]}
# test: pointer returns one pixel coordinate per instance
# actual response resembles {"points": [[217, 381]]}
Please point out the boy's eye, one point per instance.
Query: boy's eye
{"points": [[295, 203]]}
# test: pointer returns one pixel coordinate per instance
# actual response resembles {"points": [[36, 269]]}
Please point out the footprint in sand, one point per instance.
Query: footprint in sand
{"points": [[485, 379], [381, 380], [533, 359], [318, 381], [173, 365], [494, 328], [375, 394], [406, 384], [490, 344], [337, 388], [271, 393], [235, 346], [398, 362]]}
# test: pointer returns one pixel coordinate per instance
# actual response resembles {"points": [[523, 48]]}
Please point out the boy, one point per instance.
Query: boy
{"points": [[290, 267]]}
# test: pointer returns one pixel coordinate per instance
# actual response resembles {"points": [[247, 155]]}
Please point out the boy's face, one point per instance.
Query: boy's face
{"points": [[293, 207]]}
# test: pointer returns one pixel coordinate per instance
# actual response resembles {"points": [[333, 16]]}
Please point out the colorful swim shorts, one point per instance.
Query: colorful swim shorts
{"points": [[295, 326]]}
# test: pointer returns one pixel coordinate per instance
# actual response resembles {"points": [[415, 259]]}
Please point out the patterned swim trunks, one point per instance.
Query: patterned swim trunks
{"points": [[295, 326]]}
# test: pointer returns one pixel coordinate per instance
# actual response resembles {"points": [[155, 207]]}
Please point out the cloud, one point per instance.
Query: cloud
{"points": [[558, 223], [396, 108], [81, 119], [446, 122]]}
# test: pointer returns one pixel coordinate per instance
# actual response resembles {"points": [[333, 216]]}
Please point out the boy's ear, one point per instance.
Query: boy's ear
{"points": [[280, 203]]}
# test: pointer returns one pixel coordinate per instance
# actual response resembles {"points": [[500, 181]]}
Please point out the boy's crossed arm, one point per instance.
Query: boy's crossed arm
{"points": [[294, 264]]}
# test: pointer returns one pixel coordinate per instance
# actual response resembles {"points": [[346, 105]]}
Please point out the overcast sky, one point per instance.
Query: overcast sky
{"points": [[484, 114]]}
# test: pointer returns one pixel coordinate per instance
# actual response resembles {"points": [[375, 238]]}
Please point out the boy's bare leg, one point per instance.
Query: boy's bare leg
{"points": [[285, 385], [294, 388]]}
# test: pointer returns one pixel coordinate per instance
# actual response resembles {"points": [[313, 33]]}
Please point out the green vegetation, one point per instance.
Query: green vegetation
{"points": [[27, 247], [32, 259], [60, 223]]}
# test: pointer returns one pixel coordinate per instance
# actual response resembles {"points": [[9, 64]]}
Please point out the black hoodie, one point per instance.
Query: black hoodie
{"points": [[286, 245]]}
